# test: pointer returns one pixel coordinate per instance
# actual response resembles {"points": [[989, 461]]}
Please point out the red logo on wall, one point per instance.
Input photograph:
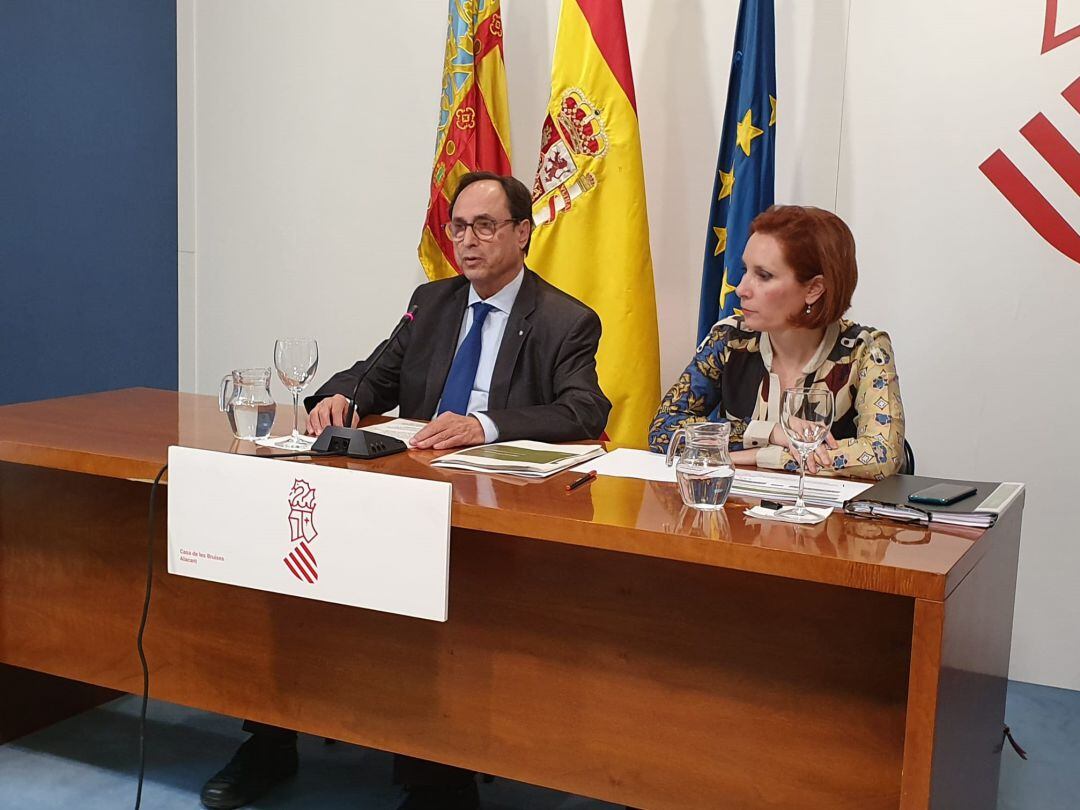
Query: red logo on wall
{"points": [[300, 560], [1054, 148], [1051, 38]]}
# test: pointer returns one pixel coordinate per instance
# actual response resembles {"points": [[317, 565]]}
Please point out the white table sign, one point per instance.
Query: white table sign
{"points": [[347, 536]]}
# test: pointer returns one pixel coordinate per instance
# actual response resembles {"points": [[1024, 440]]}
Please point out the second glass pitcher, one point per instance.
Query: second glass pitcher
{"points": [[704, 470], [250, 407]]}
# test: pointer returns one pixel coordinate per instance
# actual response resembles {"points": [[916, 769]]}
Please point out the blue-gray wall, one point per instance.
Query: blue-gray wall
{"points": [[87, 196]]}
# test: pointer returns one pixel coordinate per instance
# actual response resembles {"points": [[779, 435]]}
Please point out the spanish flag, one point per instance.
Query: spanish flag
{"points": [[592, 236], [474, 120]]}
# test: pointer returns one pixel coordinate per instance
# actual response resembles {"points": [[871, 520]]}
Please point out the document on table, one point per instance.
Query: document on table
{"points": [[403, 429], [782, 487], [624, 463], [525, 458]]}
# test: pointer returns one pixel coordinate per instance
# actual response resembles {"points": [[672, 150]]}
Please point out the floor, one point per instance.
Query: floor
{"points": [[88, 762]]}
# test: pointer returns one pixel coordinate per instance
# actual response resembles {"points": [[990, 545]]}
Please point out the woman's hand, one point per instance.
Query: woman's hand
{"points": [[819, 459], [744, 458]]}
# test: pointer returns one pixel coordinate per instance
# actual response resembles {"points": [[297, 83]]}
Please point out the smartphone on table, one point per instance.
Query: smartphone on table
{"points": [[942, 494]]}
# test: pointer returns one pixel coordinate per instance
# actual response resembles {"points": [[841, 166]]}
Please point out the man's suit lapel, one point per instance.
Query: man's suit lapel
{"points": [[517, 331], [444, 337]]}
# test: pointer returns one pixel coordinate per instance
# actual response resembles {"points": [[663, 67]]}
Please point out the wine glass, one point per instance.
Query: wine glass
{"points": [[806, 415], [296, 360]]}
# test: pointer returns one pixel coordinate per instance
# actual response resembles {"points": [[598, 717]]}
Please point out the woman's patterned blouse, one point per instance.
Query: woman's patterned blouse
{"points": [[730, 378]]}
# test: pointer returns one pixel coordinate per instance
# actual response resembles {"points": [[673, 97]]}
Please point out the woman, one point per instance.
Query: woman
{"points": [[800, 275]]}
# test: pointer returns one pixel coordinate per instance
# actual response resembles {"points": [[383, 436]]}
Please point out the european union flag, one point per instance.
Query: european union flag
{"points": [[744, 171]]}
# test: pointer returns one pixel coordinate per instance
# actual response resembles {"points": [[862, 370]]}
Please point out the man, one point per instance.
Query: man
{"points": [[495, 354]]}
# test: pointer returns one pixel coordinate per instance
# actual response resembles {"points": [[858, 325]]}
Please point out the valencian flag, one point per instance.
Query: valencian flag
{"points": [[743, 187], [474, 120], [592, 236]]}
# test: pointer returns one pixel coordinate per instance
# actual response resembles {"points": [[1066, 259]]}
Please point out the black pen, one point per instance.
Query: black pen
{"points": [[589, 476]]}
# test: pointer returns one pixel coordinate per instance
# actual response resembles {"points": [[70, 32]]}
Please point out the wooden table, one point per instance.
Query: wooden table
{"points": [[607, 642]]}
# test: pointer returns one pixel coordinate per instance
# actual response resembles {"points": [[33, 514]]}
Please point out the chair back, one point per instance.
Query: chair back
{"points": [[909, 459]]}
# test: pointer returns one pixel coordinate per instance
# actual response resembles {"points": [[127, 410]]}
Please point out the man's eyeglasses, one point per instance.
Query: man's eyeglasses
{"points": [[483, 227]]}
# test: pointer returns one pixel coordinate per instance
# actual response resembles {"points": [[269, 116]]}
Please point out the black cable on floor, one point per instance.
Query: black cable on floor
{"points": [[142, 630], [146, 611]]}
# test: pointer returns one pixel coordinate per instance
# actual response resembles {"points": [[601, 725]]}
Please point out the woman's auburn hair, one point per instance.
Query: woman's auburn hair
{"points": [[815, 242]]}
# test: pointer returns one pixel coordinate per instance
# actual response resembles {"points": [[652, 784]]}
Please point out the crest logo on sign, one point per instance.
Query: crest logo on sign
{"points": [[301, 560]]}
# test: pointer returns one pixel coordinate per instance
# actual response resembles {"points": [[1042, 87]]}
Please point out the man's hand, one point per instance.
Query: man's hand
{"points": [[818, 459], [449, 430], [330, 411]]}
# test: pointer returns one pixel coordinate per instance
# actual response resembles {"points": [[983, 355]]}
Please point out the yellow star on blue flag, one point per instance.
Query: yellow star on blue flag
{"points": [[746, 132], [747, 152], [725, 289], [721, 240]]}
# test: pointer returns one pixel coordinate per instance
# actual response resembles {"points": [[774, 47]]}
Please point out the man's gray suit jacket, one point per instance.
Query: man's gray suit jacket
{"points": [[544, 383]]}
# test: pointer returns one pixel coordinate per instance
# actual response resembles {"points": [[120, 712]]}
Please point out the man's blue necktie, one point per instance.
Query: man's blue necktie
{"points": [[459, 382]]}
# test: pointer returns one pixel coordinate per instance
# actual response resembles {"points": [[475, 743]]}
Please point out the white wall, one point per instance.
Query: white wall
{"points": [[307, 134], [983, 312], [314, 133]]}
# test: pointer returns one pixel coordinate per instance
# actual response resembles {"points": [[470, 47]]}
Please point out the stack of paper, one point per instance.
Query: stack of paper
{"points": [[913, 514], [780, 487], [524, 458], [889, 500], [831, 492]]}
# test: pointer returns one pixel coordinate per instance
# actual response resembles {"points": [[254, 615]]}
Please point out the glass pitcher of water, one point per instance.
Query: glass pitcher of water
{"points": [[704, 470], [250, 407]]}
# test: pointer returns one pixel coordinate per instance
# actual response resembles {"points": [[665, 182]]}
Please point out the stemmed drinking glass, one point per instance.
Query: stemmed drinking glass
{"points": [[296, 360], [806, 415]]}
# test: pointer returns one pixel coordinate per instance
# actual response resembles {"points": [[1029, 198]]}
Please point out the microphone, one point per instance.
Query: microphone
{"points": [[406, 319], [353, 442]]}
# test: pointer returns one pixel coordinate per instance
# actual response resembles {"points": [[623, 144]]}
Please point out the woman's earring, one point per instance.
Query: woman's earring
{"points": [[807, 309]]}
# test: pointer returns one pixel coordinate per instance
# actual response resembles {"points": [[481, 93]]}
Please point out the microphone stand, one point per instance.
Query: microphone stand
{"points": [[354, 442]]}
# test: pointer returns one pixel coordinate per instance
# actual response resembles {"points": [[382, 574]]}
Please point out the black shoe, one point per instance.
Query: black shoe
{"points": [[254, 769], [426, 797]]}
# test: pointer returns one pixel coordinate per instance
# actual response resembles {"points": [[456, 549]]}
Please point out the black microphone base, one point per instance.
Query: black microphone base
{"points": [[356, 443]]}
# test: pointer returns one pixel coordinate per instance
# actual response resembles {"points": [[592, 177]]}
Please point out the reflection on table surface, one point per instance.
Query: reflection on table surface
{"points": [[127, 434]]}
